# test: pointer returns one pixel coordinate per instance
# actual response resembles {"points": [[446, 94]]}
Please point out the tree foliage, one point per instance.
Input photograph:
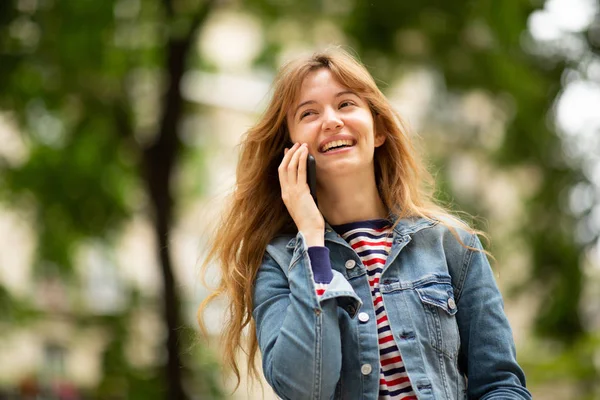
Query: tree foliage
{"points": [[95, 88]]}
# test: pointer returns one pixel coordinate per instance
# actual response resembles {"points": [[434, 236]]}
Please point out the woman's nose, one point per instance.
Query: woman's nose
{"points": [[331, 121]]}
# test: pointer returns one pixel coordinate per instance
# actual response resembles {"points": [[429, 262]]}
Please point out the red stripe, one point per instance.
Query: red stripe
{"points": [[385, 335], [374, 281], [320, 292], [368, 263], [382, 319], [392, 360], [367, 243], [397, 381], [386, 339], [378, 300], [411, 397]]}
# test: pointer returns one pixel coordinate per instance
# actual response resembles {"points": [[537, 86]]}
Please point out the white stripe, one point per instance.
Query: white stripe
{"points": [[392, 366], [385, 346], [369, 239], [383, 323], [394, 377], [370, 231], [389, 355], [371, 256], [371, 247]]}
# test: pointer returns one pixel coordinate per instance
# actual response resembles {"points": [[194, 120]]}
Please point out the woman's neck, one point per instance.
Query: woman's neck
{"points": [[350, 200]]}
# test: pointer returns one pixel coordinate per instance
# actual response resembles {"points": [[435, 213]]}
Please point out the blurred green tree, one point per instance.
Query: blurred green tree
{"points": [[75, 74], [68, 75]]}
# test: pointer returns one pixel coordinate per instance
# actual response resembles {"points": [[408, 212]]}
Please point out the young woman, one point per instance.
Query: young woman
{"points": [[376, 293]]}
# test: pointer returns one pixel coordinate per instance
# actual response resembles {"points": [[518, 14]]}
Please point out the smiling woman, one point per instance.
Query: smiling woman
{"points": [[376, 293]]}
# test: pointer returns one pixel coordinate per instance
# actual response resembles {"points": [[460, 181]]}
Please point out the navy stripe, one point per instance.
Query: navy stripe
{"points": [[375, 271], [379, 310], [362, 235], [383, 329], [393, 371], [372, 252], [378, 223], [390, 349], [400, 391], [365, 254], [382, 254]]}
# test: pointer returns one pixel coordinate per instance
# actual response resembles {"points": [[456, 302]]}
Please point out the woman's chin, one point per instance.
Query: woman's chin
{"points": [[342, 167]]}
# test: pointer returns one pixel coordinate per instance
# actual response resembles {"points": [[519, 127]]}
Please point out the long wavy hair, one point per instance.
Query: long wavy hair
{"points": [[256, 213]]}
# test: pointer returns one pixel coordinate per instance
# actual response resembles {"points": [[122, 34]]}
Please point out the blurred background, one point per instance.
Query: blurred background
{"points": [[119, 125]]}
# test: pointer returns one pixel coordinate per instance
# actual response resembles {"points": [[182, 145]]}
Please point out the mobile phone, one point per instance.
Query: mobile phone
{"points": [[311, 176]]}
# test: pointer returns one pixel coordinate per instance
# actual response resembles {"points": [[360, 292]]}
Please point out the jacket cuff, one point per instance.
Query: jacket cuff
{"points": [[339, 288]]}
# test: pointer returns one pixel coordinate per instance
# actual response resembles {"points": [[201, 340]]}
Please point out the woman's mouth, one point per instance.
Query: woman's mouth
{"points": [[337, 146]]}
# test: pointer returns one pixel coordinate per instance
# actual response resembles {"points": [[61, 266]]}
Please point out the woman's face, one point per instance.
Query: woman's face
{"points": [[335, 122]]}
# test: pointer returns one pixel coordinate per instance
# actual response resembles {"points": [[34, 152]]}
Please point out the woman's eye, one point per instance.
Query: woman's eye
{"points": [[346, 103], [306, 114]]}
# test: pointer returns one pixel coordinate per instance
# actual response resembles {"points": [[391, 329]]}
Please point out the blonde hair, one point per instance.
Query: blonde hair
{"points": [[238, 246]]}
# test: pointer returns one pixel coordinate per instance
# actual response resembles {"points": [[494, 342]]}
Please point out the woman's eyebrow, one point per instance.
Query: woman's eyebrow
{"points": [[343, 92]]}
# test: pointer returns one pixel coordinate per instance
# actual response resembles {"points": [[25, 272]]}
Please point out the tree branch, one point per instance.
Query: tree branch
{"points": [[168, 4]]}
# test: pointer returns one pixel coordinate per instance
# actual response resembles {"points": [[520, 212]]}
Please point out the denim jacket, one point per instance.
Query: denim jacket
{"points": [[443, 306]]}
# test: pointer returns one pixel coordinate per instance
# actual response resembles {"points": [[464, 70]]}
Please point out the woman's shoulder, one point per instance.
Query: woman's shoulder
{"points": [[449, 232], [281, 246], [282, 240]]}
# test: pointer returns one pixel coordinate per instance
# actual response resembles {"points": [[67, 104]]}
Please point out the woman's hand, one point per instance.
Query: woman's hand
{"points": [[296, 195]]}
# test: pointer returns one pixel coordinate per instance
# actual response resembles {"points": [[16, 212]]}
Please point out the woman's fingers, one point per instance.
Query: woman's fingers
{"points": [[283, 167], [302, 163], [292, 168], [294, 165]]}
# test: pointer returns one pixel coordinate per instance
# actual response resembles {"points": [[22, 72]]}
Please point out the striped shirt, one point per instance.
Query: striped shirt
{"points": [[371, 242]]}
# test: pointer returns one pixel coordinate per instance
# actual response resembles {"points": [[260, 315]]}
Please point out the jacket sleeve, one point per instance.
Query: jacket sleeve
{"points": [[298, 334], [487, 353]]}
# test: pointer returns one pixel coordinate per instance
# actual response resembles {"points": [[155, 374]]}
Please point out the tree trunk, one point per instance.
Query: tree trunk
{"points": [[159, 161]]}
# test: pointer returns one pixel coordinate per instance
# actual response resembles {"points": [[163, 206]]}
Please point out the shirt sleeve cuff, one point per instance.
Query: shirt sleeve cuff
{"points": [[320, 264]]}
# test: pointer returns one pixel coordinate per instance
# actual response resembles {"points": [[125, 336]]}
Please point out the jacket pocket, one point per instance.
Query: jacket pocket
{"points": [[437, 298]]}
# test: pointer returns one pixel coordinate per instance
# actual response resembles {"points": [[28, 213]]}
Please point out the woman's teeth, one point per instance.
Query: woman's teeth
{"points": [[336, 143]]}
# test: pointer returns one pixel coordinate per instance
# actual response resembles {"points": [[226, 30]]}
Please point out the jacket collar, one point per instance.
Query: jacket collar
{"points": [[405, 227], [410, 225]]}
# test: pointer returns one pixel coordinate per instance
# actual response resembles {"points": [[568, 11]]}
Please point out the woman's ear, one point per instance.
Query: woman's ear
{"points": [[380, 136]]}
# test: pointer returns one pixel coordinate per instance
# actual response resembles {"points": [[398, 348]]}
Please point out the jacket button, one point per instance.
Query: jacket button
{"points": [[366, 369], [451, 303], [363, 317], [350, 264]]}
